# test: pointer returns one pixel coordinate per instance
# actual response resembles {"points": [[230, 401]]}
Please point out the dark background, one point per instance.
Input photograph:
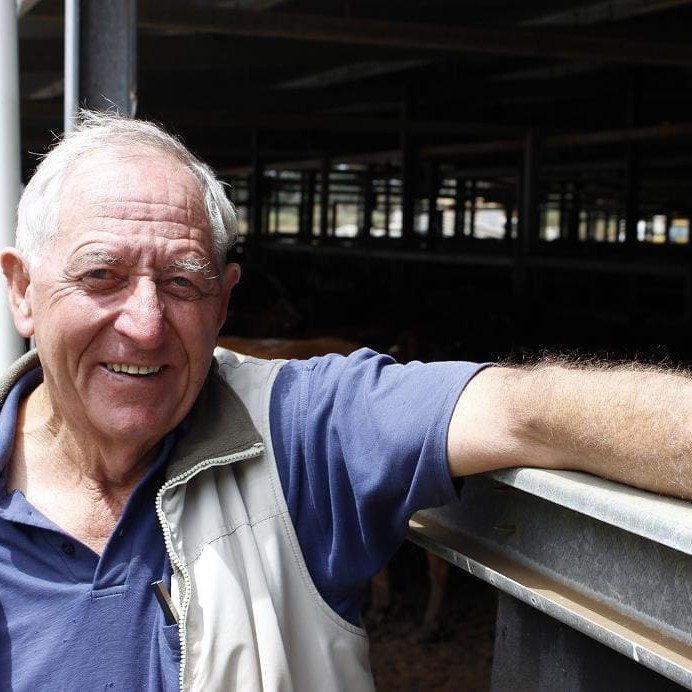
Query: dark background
{"points": [[365, 142]]}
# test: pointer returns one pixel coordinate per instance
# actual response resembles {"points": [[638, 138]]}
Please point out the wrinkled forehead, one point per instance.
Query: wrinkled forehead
{"points": [[136, 176]]}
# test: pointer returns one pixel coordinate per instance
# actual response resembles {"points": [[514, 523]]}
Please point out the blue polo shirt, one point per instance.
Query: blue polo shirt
{"points": [[360, 445], [70, 619]]}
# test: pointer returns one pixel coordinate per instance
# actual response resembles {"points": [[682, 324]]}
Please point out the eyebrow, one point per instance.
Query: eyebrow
{"points": [[198, 265], [97, 256]]}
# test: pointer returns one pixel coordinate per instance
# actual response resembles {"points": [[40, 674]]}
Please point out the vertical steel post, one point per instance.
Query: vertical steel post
{"points": [[509, 212], [275, 203], [527, 228], [408, 187], [324, 197], [434, 220], [310, 205], [307, 204], [459, 208], [529, 222], [408, 175], [563, 212], [669, 222], [631, 193], [573, 217], [632, 166], [472, 210], [11, 344], [368, 203], [256, 189], [333, 218], [387, 202], [71, 65], [535, 652], [108, 55], [589, 225]]}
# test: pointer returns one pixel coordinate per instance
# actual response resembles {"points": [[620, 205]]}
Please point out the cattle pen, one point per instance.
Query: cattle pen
{"points": [[500, 179]]}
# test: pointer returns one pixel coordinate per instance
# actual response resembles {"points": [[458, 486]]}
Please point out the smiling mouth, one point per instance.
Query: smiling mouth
{"points": [[127, 369]]}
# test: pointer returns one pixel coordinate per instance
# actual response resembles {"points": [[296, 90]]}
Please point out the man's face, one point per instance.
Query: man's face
{"points": [[127, 301]]}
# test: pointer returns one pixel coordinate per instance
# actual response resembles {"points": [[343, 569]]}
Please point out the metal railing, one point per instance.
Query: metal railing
{"points": [[610, 562]]}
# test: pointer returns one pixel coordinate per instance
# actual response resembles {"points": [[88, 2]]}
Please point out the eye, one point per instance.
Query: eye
{"points": [[182, 287], [100, 279], [99, 274]]}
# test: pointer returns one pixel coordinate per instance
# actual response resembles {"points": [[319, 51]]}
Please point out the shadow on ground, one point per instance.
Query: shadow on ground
{"points": [[458, 658]]}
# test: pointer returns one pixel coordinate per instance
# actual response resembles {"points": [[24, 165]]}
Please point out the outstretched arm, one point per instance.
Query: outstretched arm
{"points": [[627, 423]]}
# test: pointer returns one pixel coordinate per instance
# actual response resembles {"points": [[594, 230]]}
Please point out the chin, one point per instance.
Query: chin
{"points": [[138, 425]]}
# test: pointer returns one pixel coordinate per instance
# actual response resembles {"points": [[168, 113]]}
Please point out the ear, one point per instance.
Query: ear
{"points": [[16, 272], [231, 276]]}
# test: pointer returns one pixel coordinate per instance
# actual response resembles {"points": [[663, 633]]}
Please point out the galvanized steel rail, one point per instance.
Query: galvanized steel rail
{"points": [[610, 562]]}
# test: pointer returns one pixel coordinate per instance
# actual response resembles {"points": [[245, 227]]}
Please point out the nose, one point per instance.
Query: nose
{"points": [[141, 317]]}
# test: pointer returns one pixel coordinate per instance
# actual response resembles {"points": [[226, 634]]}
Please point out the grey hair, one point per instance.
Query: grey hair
{"points": [[37, 221]]}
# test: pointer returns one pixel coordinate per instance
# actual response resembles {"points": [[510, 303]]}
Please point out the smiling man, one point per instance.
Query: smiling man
{"points": [[125, 302], [257, 496]]}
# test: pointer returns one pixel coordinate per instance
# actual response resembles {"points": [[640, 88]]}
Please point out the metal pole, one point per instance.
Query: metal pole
{"points": [[324, 197], [387, 202], [408, 181], [108, 49], [459, 208], [71, 94], [472, 210], [368, 203], [310, 205], [11, 344], [434, 218]]}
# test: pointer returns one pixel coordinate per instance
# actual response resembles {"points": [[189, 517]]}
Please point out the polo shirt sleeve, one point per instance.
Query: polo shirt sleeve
{"points": [[360, 444]]}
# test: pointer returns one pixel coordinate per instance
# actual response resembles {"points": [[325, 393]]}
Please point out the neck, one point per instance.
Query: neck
{"points": [[112, 464], [80, 485]]}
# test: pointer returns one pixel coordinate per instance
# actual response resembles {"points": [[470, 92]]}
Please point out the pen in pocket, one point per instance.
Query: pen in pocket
{"points": [[170, 614]]}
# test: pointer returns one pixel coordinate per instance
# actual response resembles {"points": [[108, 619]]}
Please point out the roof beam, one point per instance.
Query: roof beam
{"points": [[568, 140], [253, 4], [352, 72], [610, 11], [454, 39], [184, 19], [291, 121], [555, 141]]}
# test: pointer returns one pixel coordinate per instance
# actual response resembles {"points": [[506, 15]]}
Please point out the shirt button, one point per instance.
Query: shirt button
{"points": [[68, 548]]}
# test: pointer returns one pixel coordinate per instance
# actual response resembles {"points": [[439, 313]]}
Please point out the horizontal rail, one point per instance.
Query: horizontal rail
{"points": [[610, 562], [660, 519]]}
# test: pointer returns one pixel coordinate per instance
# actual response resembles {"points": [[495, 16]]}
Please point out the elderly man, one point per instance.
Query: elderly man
{"points": [[259, 496]]}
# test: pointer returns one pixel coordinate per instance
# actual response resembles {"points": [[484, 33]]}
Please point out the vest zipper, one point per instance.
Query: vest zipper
{"points": [[176, 561]]}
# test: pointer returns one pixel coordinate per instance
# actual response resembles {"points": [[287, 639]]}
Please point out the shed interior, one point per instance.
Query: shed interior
{"points": [[483, 179]]}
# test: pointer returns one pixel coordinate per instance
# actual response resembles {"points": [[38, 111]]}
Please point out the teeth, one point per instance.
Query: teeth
{"points": [[133, 369]]}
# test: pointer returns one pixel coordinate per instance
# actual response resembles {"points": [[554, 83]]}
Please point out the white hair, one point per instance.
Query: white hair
{"points": [[37, 221]]}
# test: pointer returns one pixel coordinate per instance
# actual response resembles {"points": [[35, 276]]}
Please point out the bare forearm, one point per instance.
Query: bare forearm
{"points": [[629, 424]]}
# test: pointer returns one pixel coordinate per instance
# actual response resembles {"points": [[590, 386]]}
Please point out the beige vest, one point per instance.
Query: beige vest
{"points": [[251, 617]]}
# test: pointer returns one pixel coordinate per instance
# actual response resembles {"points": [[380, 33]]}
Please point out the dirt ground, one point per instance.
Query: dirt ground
{"points": [[458, 658]]}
